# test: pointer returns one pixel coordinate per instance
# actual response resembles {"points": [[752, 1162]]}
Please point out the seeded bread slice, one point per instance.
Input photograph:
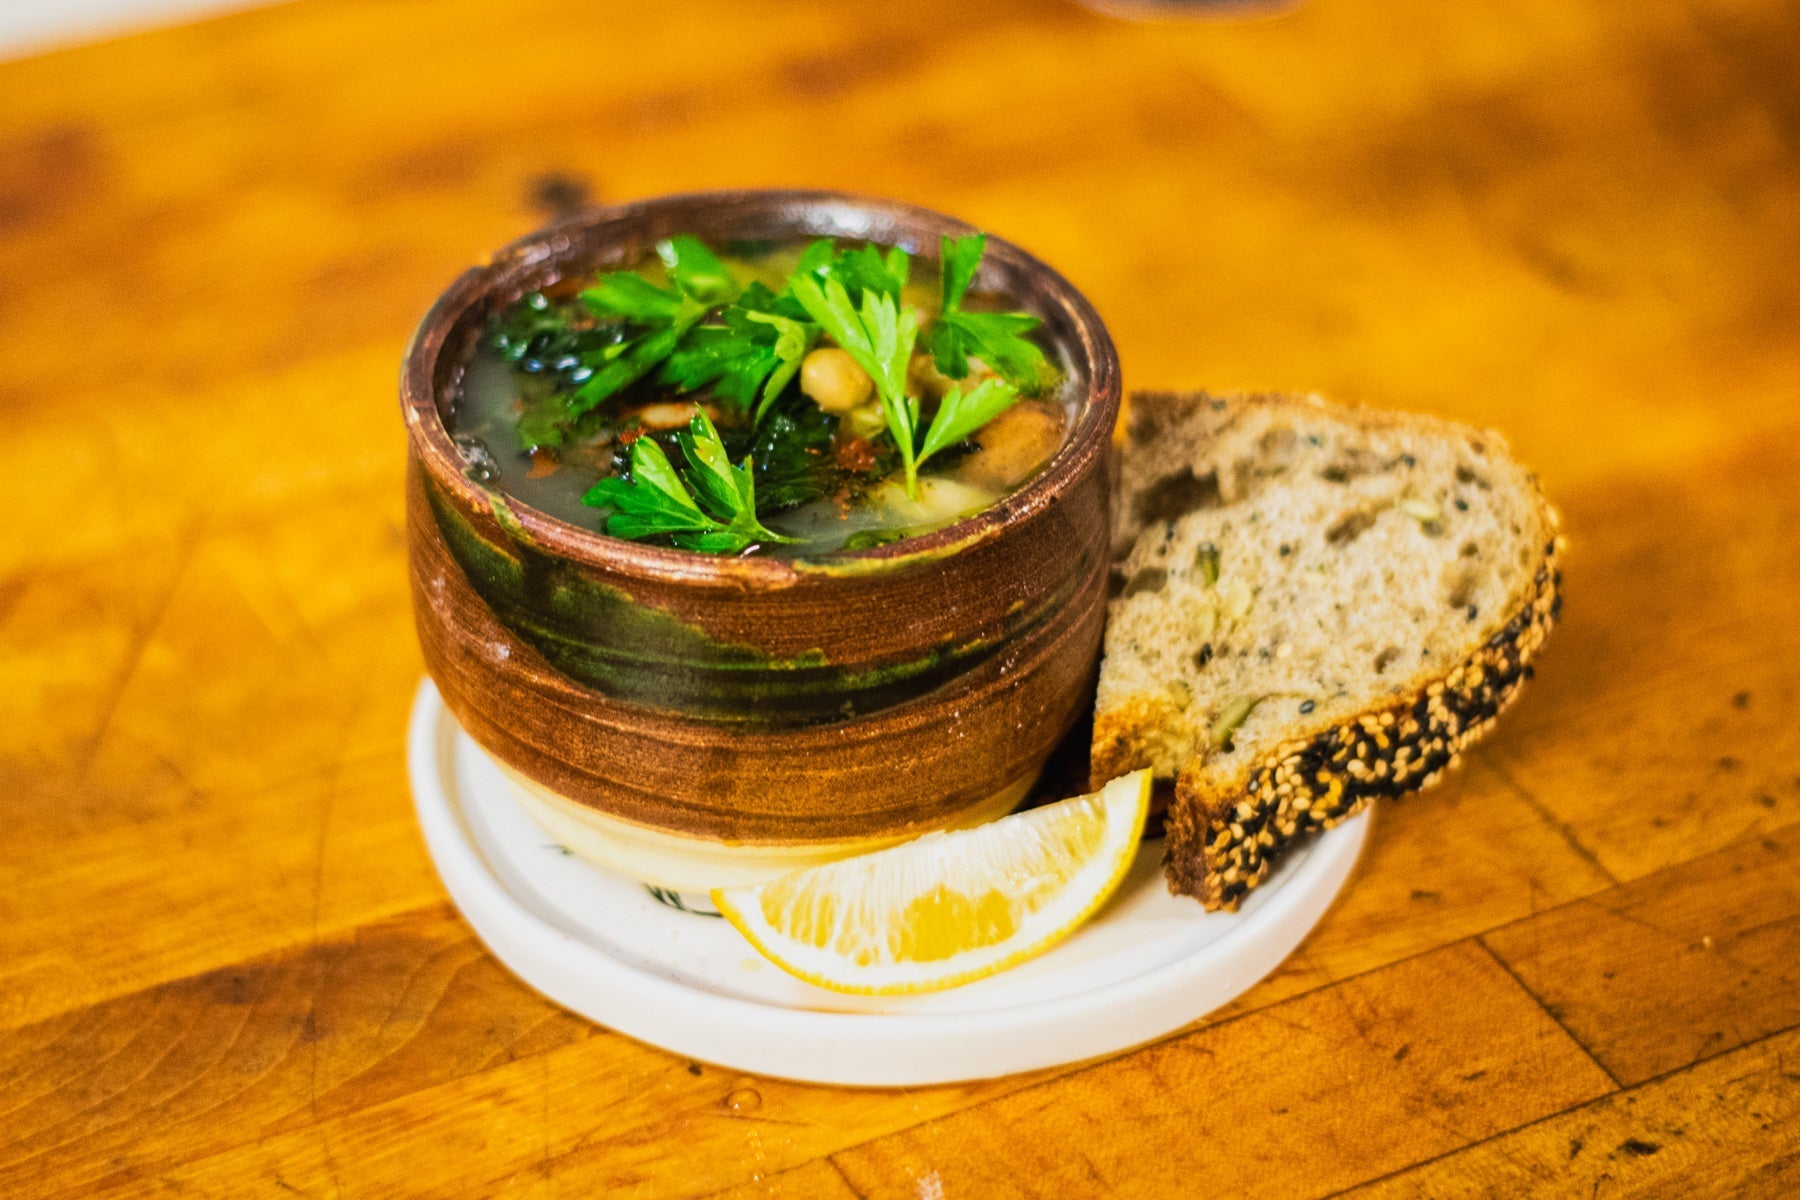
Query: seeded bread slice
{"points": [[1318, 606]]}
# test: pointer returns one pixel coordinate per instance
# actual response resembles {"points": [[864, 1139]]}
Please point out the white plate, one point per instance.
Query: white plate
{"points": [[601, 945]]}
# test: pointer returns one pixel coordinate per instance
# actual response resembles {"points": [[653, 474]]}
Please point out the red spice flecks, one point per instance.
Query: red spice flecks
{"points": [[854, 454], [544, 461]]}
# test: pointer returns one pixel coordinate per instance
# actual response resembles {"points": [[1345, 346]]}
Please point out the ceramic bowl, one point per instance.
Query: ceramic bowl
{"points": [[698, 720]]}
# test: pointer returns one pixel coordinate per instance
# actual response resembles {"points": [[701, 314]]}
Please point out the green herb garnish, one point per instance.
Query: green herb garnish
{"points": [[864, 269], [666, 316], [711, 507], [757, 346], [998, 339], [792, 451], [696, 270], [628, 295], [546, 341], [531, 324], [543, 424], [880, 337], [692, 329], [965, 410]]}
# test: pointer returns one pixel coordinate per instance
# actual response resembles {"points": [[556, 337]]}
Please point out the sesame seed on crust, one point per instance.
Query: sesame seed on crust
{"points": [[1222, 845]]}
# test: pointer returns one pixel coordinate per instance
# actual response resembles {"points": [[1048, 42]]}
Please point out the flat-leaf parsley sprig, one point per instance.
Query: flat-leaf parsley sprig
{"points": [[710, 508], [880, 337], [755, 348], [701, 281], [998, 339]]}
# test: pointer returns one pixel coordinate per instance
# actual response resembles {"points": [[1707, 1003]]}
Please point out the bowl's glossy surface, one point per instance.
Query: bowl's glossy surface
{"points": [[755, 700]]}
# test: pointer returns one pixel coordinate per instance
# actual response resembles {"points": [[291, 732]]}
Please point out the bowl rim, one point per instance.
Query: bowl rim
{"points": [[430, 439]]}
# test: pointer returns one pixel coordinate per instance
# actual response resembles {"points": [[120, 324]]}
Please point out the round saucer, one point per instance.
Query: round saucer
{"points": [[608, 948]]}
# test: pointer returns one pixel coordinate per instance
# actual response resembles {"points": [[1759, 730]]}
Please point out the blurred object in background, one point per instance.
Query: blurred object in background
{"points": [[1160, 10], [33, 26], [30, 27]]}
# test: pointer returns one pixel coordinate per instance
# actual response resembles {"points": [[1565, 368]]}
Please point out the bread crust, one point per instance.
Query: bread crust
{"points": [[1120, 741], [1226, 834]]}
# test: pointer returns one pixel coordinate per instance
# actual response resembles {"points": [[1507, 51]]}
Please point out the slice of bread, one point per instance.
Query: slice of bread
{"points": [[1317, 606]]}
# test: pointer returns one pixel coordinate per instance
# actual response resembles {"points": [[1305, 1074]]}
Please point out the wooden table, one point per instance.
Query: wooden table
{"points": [[226, 967]]}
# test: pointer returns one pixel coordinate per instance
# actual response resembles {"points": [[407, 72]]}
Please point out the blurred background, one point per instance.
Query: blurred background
{"points": [[33, 26]]}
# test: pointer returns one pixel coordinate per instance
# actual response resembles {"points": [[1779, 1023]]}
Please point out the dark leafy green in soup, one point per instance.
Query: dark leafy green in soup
{"points": [[777, 399]]}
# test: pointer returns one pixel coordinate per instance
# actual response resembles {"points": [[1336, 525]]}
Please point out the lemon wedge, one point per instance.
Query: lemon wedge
{"points": [[950, 907]]}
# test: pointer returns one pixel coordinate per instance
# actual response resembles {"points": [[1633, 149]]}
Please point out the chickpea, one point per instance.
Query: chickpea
{"points": [[1013, 445], [667, 415], [834, 380]]}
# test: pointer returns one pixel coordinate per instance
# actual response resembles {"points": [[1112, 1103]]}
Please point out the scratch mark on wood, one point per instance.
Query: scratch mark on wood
{"points": [[186, 547], [1563, 829]]}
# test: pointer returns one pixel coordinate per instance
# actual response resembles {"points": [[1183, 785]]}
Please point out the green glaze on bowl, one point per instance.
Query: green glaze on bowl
{"points": [[599, 634]]}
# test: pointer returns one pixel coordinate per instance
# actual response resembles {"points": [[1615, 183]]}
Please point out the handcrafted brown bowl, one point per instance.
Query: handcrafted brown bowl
{"points": [[756, 701]]}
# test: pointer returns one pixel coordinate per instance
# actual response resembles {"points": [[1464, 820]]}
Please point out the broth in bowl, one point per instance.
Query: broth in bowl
{"points": [[773, 398]]}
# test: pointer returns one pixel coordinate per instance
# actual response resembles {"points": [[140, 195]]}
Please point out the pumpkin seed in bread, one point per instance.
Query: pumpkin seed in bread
{"points": [[1317, 606]]}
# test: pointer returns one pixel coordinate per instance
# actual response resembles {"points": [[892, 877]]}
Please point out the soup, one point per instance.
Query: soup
{"points": [[774, 398]]}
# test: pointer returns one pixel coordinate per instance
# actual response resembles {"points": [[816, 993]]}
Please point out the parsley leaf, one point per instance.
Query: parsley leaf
{"points": [[652, 501], [795, 463], [880, 338], [756, 348], [669, 315], [543, 424], [546, 341], [534, 320], [964, 410], [863, 269], [757, 298], [959, 259], [792, 340], [816, 258], [629, 295], [696, 270], [998, 340], [724, 489], [618, 367], [701, 281], [995, 338], [732, 360], [657, 500]]}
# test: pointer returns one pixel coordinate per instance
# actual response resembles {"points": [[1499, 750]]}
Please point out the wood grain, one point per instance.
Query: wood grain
{"points": [[1708, 698], [226, 968], [1681, 965], [818, 1180], [1725, 1128], [1379, 1071]]}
